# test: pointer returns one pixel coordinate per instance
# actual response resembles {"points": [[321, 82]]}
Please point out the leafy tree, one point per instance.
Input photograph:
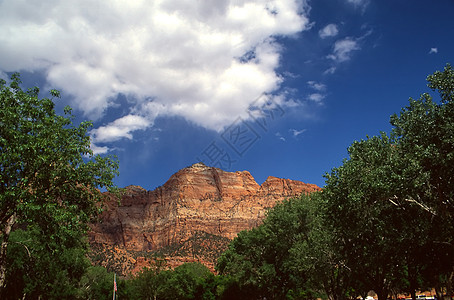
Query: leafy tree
{"points": [[423, 132], [149, 282], [391, 203], [96, 283], [186, 282], [259, 260], [33, 271], [316, 256], [371, 232], [49, 177], [384, 220]]}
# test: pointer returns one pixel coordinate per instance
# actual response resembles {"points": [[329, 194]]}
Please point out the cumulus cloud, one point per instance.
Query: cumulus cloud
{"points": [[342, 49], [328, 31], [433, 51], [202, 61], [119, 129]]}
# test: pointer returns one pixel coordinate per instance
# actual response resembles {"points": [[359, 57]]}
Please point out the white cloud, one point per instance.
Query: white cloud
{"points": [[330, 70], [356, 2], [176, 57], [316, 97], [433, 51], [342, 49], [328, 31], [316, 85], [119, 129], [296, 132], [99, 150], [362, 4], [279, 136], [320, 88]]}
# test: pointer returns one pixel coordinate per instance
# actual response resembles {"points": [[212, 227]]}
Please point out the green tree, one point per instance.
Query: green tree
{"points": [[260, 261], [33, 271], [370, 231], [423, 132], [391, 203], [49, 177], [150, 281], [186, 282], [96, 283], [317, 257]]}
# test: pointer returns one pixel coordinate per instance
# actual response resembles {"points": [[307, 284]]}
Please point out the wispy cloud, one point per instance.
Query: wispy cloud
{"points": [[357, 2], [329, 71], [320, 89], [433, 51], [328, 31], [203, 62], [280, 137], [316, 85], [296, 132], [362, 4], [343, 48]]}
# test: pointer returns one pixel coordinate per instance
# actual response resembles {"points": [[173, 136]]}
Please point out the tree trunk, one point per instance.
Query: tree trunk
{"points": [[449, 285], [3, 249], [413, 294], [382, 293], [438, 292]]}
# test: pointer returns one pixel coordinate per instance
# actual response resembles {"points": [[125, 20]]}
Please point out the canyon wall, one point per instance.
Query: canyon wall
{"points": [[192, 217]]}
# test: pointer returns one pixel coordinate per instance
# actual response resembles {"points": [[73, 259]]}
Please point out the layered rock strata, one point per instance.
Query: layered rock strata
{"points": [[196, 201]]}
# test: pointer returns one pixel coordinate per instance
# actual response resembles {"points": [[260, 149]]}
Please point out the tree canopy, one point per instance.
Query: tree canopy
{"points": [[49, 177], [384, 221]]}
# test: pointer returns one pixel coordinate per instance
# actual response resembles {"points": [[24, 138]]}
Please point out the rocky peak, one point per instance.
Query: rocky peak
{"points": [[198, 204]]}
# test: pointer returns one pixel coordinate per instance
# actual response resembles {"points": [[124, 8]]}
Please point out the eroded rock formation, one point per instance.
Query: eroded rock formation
{"points": [[192, 217]]}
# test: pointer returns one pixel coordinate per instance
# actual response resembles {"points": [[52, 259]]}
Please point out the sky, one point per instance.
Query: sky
{"points": [[275, 87]]}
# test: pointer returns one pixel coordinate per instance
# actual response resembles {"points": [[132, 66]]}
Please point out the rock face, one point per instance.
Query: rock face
{"points": [[192, 217]]}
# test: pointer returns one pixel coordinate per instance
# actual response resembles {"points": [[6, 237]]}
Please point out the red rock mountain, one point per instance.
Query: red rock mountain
{"points": [[192, 217]]}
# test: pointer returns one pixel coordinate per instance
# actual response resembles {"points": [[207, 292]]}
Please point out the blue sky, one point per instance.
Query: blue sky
{"points": [[278, 88]]}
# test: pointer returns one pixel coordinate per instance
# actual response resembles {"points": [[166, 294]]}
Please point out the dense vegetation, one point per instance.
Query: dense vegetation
{"points": [[384, 220], [49, 191]]}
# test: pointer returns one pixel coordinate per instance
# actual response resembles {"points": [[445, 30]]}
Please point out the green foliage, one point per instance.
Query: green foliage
{"points": [[260, 261], [34, 271], [149, 283], [423, 132], [316, 256], [188, 281], [384, 220], [359, 207], [96, 283], [390, 204], [49, 177]]}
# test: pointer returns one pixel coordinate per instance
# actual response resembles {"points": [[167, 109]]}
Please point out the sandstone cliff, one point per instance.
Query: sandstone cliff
{"points": [[192, 217]]}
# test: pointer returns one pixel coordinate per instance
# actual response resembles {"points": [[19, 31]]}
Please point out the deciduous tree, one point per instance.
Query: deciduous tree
{"points": [[49, 177]]}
